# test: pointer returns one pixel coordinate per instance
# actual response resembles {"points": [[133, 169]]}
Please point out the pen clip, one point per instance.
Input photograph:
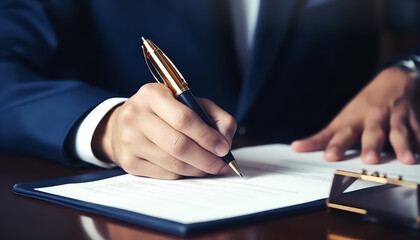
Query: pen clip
{"points": [[168, 73], [150, 69], [172, 65]]}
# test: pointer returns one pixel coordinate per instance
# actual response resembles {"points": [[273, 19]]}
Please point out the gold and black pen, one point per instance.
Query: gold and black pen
{"points": [[172, 78]]}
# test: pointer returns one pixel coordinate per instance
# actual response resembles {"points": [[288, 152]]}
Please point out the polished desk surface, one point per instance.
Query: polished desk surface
{"points": [[28, 218]]}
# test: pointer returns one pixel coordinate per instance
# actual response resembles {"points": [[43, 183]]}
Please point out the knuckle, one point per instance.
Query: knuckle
{"points": [[378, 111], [178, 144], [400, 128], [146, 90], [394, 122], [214, 166], [350, 131], [127, 113], [379, 134], [396, 133], [207, 135], [184, 119], [133, 167], [177, 165], [399, 117], [392, 135], [376, 133], [153, 89]]}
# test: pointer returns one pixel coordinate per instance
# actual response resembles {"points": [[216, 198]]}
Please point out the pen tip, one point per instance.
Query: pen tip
{"points": [[142, 38], [235, 168]]}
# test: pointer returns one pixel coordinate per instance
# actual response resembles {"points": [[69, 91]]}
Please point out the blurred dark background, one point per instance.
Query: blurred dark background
{"points": [[400, 26]]}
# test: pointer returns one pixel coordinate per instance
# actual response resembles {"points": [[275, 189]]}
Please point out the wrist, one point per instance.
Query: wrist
{"points": [[86, 129], [391, 84], [409, 78], [102, 137]]}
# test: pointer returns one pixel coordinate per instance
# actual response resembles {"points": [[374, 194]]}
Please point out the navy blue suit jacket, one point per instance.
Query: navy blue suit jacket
{"points": [[60, 58]]}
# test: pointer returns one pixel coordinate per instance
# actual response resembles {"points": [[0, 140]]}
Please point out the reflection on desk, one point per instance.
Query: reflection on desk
{"points": [[27, 218]]}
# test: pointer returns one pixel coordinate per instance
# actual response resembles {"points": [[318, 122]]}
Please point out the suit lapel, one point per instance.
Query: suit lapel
{"points": [[273, 24]]}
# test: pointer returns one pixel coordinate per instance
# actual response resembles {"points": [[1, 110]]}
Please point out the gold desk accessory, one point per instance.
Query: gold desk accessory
{"points": [[376, 196]]}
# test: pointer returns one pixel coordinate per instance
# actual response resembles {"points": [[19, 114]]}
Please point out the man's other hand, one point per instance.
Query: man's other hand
{"points": [[387, 108]]}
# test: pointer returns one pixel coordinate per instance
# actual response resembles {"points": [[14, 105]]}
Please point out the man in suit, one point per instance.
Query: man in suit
{"points": [[70, 71]]}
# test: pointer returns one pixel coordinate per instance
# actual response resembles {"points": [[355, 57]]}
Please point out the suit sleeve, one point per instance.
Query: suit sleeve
{"points": [[37, 113]]}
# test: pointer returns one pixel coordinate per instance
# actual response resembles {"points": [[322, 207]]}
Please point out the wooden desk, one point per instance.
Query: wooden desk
{"points": [[27, 218]]}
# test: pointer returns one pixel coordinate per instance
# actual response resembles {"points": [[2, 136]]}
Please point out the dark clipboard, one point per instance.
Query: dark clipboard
{"points": [[159, 224]]}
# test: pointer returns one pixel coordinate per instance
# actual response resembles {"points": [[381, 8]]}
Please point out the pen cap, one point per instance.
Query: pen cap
{"points": [[168, 73]]}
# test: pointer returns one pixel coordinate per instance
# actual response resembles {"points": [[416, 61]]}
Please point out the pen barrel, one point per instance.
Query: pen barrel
{"points": [[189, 100]]}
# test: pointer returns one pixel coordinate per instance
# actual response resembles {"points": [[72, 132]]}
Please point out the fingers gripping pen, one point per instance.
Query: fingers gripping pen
{"points": [[173, 79]]}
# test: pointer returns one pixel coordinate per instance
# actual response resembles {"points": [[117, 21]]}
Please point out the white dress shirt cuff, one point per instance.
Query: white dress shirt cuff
{"points": [[87, 128]]}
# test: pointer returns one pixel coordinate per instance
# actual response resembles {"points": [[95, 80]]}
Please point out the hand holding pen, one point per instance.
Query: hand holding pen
{"points": [[153, 134], [173, 79]]}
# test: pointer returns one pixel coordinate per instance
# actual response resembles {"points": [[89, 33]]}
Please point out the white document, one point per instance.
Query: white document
{"points": [[275, 177]]}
